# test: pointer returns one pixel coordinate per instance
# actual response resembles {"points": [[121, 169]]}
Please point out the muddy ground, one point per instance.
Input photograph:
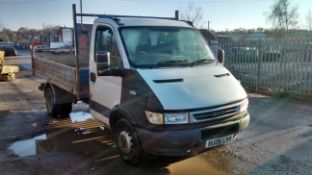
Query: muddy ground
{"points": [[278, 140]]}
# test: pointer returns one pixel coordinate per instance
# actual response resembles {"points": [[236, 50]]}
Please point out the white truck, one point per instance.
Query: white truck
{"points": [[153, 81]]}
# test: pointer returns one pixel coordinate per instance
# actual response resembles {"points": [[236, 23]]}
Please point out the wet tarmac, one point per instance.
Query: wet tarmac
{"points": [[81, 134]]}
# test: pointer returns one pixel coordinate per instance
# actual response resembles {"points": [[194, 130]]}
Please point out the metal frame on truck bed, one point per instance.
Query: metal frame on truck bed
{"points": [[72, 73]]}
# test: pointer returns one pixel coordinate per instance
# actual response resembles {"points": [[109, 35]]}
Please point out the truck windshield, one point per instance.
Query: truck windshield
{"points": [[152, 47]]}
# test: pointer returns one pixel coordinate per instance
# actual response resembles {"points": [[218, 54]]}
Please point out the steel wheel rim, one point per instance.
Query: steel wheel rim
{"points": [[125, 142]]}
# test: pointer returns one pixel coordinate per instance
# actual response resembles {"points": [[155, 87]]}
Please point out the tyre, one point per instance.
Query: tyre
{"points": [[56, 110], [50, 102], [128, 143]]}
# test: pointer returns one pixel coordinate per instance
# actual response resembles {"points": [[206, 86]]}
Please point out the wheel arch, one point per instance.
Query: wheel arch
{"points": [[118, 113], [61, 96], [45, 87]]}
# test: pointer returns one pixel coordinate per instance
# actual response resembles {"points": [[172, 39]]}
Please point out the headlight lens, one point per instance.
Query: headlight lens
{"points": [[168, 118], [155, 118], [244, 106], [176, 118]]}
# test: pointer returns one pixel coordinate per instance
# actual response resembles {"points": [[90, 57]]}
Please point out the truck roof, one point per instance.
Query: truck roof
{"points": [[144, 21]]}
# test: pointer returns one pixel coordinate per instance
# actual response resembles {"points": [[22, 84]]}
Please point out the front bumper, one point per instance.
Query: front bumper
{"points": [[187, 142]]}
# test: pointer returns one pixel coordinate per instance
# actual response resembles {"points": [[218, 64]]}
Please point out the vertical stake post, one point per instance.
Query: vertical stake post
{"points": [[76, 52]]}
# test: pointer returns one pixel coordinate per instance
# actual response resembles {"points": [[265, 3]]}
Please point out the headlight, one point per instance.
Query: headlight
{"points": [[244, 106], [155, 118], [176, 118]]}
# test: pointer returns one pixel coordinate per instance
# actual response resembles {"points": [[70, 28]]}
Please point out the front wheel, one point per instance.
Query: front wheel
{"points": [[128, 143]]}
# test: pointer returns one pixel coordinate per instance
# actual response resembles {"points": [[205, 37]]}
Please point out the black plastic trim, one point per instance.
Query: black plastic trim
{"points": [[99, 108], [169, 81], [222, 75]]}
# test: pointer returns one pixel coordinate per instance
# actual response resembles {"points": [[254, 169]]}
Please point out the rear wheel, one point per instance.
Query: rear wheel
{"points": [[53, 109], [128, 142], [50, 102]]}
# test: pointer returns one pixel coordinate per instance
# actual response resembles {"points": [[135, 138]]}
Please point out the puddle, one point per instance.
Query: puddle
{"points": [[79, 133], [26, 147], [79, 121]]}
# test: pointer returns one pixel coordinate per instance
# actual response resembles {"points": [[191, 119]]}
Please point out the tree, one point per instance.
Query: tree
{"points": [[194, 14], [1, 26], [260, 29], [309, 20], [283, 16]]}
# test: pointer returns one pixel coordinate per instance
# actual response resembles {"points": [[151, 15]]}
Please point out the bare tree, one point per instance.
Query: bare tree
{"points": [[194, 14], [1, 26], [309, 20], [283, 15]]}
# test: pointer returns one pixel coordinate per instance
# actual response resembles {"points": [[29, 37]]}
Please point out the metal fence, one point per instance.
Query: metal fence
{"points": [[282, 67]]}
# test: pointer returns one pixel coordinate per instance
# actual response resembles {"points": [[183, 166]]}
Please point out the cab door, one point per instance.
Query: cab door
{"points": [[105, 91]]}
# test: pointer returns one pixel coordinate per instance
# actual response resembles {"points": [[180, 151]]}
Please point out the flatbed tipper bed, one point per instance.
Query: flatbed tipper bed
{"points": [[60, 70]]}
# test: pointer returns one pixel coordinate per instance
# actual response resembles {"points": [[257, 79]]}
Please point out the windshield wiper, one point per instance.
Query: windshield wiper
{"points": [[200, 61], [169, 62]]}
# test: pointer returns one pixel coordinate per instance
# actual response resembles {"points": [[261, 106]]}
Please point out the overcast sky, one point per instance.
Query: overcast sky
{"points": [[223, 14]]}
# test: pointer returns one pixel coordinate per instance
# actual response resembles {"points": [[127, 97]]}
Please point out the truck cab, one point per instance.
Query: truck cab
{"points": [[157, 85]]}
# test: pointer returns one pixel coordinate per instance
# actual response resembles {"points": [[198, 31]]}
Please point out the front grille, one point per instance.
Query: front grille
{"points": [[214, 114], [219, 132]]}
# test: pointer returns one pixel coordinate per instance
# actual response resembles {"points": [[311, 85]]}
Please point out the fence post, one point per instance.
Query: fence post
{"points": [[32, 53], [259, 57]]}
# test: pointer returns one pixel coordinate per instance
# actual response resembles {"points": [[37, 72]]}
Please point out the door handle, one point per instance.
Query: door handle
{"points": [[93, 77]]}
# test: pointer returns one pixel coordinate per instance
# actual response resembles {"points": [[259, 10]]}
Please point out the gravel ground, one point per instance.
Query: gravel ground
{"points": [[278, 140]]}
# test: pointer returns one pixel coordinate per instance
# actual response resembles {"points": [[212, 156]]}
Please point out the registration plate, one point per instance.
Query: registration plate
{"points": [[219, 141]]}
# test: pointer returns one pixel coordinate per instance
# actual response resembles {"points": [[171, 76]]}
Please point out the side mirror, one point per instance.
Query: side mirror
{"points": [[221, 56], [103, 63]]}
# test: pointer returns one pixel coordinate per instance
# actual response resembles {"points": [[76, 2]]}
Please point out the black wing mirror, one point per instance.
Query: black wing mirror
{"points": [[103, 63], [221, 56]]}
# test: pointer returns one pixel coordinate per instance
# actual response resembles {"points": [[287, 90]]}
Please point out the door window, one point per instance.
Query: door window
{"points": [[106, 42]]}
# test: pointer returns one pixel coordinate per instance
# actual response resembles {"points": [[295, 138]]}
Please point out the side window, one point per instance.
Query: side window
{"points": [[105, 42]]}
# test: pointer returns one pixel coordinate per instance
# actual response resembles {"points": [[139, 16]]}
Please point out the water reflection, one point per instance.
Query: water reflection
{"points": [[80, 116], [195, 165], [26, 147]]}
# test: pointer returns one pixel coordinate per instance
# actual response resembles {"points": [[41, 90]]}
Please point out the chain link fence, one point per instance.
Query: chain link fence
{"points": [[271, 67]]}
